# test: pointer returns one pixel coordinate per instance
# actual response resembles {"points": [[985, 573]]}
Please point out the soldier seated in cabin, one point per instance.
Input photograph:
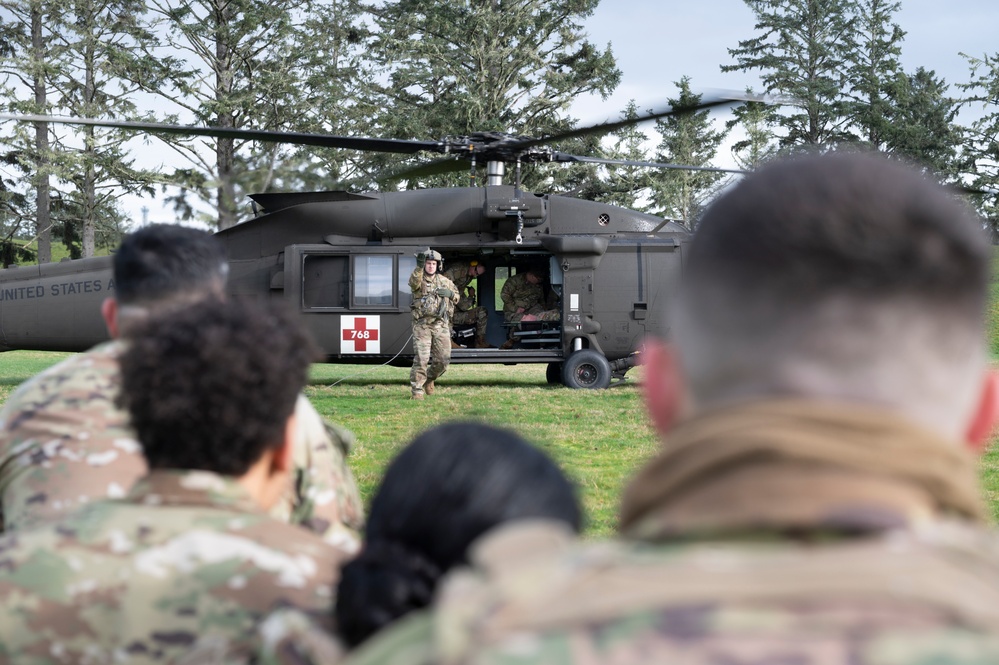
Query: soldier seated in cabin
{"points": [[182, 567], [524, 301], [466, 312], [64, 441]]}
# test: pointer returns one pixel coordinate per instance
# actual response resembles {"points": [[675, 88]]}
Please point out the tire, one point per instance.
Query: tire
{"points": [[554, 373], [586, 369]]}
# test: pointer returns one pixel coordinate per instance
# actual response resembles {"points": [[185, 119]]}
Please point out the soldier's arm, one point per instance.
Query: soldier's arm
{"points": [[416, 283]]}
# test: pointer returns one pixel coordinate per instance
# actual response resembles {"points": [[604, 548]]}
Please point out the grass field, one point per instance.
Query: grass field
{"points": [[599, 437]]}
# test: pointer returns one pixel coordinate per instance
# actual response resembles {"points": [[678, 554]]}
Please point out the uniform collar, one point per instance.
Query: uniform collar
{"points": [[170, 487]]}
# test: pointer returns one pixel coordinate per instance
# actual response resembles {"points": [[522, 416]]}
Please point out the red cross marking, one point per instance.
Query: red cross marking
{"points": [[360, 335]]}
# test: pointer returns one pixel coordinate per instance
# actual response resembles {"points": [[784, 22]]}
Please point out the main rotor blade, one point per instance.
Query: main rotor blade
{"points": [[436, 167], [563, 157], [720, 99], [297, 138]]}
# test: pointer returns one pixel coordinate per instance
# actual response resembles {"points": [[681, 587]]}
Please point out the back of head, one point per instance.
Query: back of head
{"points": [[449, 486], [211, 386], [164, 262], [845, 276]]}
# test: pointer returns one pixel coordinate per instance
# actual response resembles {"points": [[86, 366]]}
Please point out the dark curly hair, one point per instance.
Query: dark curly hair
{"points": [[211, 386], [448, 487]]}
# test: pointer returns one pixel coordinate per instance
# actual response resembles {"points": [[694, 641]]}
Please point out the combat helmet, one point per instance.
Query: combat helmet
{"points": [[433, 255]]}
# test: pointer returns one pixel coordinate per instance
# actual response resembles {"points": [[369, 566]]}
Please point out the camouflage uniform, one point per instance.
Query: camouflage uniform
{"points": [[519, 292], [466, 313], [431, 328], [853, 538], [181, 570], [64, 442]]}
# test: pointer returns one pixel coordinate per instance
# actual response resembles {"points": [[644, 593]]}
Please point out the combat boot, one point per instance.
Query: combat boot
{"points": [[508, 344], [455, 345], [428, 387], [416, 395], [481, 343]]}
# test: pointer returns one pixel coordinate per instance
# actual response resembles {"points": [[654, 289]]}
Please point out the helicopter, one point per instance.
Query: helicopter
{"points": [[342, 259]]}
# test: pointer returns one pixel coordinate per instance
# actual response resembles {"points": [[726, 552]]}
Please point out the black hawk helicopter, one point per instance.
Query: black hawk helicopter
{"points": [[342, 259]]}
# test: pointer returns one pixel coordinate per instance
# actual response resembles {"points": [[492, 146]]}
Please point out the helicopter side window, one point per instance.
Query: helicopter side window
{"points": [[373, 280], [325, 281], [407, 264]]}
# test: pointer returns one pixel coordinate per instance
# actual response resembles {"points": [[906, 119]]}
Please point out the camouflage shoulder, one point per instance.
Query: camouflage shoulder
{"points": [[408, 641]]}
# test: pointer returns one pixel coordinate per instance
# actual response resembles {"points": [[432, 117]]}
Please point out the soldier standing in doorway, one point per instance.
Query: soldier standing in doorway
{"points": [[434, 297]]}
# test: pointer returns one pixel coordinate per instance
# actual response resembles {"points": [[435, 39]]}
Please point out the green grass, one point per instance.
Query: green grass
{"points": [[599, 437]]}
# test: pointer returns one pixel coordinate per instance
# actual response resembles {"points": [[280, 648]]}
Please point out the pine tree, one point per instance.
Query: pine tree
{"points": [[920, 123], [454, 68], [801, 52], [874, 69], [687, 138], [756, 120], [982, 146], [628, 186]]}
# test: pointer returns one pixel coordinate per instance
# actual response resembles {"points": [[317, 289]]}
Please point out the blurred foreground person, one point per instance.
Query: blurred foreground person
{"points": [[450, 486], [815, 500], [64, 441], [182, 568]]}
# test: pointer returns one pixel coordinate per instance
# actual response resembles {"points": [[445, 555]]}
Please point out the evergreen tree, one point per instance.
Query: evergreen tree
{"points": [[28, 67], [756, 120], [242, 64], [982, 146], [874, 69], [454, 68], [687, 138], [628, 186], [801, 52], [99, 42], [919, 124]]}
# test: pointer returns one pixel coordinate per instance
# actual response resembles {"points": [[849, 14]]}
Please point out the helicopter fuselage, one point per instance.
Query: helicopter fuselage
{"points": [[342, 262]]}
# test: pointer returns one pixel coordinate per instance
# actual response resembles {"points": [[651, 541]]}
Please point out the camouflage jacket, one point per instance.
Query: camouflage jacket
{"points": [[533, 596], [518, 292], [64, 442], [458, 274], [181, 570], [427, 305]]}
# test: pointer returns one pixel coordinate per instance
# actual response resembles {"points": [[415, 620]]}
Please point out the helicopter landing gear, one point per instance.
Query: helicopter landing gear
{"points": [[586, 368]]}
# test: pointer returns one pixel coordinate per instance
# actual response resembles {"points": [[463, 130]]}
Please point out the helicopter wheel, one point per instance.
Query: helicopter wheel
{"points": [[554, 373], [588, 369]]}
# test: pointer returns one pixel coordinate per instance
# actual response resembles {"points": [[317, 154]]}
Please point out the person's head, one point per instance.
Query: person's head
{"points": [[475, 269], [433, 261], [448, 487], [162, 266], [842, 277], [533, 275], [212, 386]]}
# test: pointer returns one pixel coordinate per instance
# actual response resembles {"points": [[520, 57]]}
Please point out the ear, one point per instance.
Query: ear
{"points": [[109, 312], [664, 388], [283, 459], [984, 419]]}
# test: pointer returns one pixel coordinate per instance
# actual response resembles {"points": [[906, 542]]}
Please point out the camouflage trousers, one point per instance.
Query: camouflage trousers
{"points": [[539, 312], [476, 315], [431, 351]]}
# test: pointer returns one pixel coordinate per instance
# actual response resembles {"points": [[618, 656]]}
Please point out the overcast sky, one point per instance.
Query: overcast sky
{"points": [[658, 41]]}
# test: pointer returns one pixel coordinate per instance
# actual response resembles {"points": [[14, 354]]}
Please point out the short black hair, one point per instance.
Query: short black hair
{"points": [[448, 487], [161, 261], [845, 275], [854, 224], [210, 386]]}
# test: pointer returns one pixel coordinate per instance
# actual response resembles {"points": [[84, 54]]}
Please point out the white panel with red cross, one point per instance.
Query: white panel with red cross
{"points": [[360, 334]]}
